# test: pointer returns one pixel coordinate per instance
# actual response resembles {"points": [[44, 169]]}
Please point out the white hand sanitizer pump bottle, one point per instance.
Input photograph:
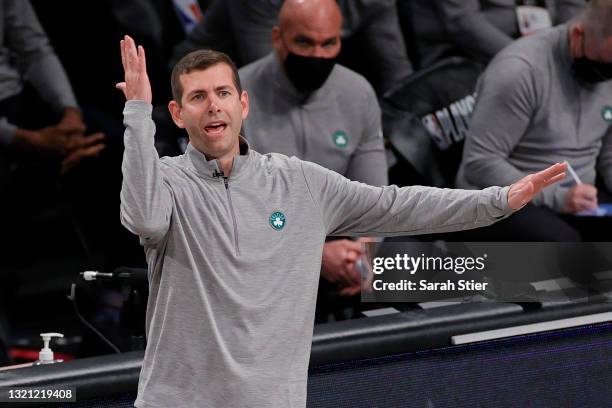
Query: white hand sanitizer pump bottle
{"points": [[45, 356]]}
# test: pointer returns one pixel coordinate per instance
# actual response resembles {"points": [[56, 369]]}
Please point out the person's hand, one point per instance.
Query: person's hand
{"points": [[581, 197], [80, 147], [338, 264], [72, 122], [364, 270], [529, 186], [54, 140], [363, 266], [136, 85], [50, 139]]}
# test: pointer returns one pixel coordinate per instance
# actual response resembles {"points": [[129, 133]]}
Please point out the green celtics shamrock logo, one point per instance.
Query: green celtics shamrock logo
{"points": [[277, 220], [606, 113], [340, 138]]}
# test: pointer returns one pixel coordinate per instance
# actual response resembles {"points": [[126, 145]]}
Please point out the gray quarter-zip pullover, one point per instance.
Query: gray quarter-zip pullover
{"points": [[234, 264]]}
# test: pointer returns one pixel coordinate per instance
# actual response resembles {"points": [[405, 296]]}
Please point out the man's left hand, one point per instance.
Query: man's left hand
{"points": [[72, 122], [81, 147], [529, 186]]}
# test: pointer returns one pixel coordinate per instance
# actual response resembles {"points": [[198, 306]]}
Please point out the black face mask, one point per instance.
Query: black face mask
{"points": [[308, 74], [590, 71]]}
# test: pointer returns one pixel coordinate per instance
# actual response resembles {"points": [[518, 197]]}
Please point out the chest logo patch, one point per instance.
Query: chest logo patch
{"points": [[340, 138], [606, 113], [277, 220]]}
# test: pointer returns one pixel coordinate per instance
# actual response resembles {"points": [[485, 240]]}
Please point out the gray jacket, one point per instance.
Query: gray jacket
{"points": [[234, 263]]}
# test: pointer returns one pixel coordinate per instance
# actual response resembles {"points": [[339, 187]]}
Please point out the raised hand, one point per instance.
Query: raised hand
{"points": [[136, 85], [529, 186]]}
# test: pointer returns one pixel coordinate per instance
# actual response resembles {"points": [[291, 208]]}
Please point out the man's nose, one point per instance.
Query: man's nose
{"points": [[213, 107], [319, 52]]}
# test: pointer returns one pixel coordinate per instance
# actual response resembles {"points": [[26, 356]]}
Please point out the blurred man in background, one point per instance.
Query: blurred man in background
{"points": [[546, 99]]}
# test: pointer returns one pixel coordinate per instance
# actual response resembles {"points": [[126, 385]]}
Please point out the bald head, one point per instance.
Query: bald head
{"points": [[308, 28], [313, 13]]}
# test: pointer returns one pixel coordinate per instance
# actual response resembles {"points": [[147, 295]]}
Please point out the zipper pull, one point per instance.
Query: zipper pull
{"points": [[226, 183]]}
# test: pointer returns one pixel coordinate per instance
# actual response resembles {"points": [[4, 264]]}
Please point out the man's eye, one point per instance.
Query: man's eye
{"points": [[197, 97], [224, 93], [330, 43]]}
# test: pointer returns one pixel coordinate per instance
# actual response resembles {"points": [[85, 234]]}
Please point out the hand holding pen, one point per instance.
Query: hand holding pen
{"points": [[580, 197]]}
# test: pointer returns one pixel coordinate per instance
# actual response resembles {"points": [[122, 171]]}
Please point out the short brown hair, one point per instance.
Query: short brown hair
{"points": [[199, 61]]}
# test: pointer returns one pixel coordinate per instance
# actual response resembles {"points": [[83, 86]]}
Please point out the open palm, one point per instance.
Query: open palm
{"points": [[136, 85], [529, 186]]}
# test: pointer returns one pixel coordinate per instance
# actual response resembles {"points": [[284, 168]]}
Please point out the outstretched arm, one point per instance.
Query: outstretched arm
{"points": [[146, 202], [351, 208]]}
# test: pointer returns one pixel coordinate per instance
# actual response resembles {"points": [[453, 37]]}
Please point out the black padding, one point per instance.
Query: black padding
{"points": [[425, 92]]}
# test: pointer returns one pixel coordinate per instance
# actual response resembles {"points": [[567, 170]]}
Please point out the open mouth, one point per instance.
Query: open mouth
{"points": [[215, 127]]}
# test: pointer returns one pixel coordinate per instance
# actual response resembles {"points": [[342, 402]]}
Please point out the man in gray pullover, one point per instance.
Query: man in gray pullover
{"points": [[546, 99], [233, 239]]}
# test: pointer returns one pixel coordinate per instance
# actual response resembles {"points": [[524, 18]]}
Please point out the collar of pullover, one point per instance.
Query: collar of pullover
{"points": [[211, 169]]}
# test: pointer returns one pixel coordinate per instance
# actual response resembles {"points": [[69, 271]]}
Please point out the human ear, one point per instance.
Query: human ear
{"points": [[576, 40], [277, 43], [175, 112], [244, 101]]}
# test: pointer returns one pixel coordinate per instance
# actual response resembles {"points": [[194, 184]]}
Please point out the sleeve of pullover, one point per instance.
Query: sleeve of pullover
{"points": [[469, 29], [146, 199], [353, 208], [377, 24], [35, 56]]}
